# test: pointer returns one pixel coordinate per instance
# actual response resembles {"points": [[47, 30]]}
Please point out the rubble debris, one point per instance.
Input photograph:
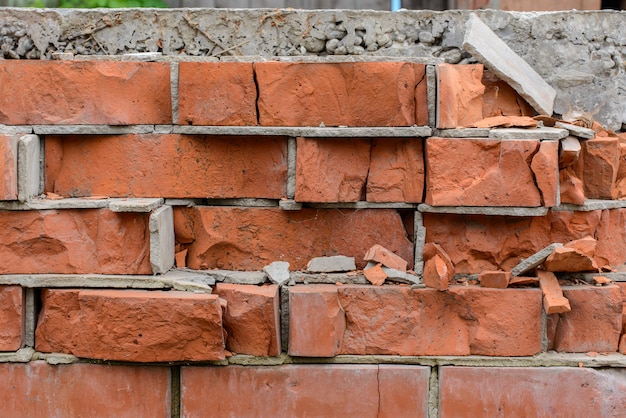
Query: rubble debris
{"points": [[380, 254], [553, 299], [523, 281], [505, 122], [488, 48], [375, 275], [495, 279], [534, 260], [332, 264], [277, 272], [438, 267], [575, 256], [579, 131], [601, 280]]}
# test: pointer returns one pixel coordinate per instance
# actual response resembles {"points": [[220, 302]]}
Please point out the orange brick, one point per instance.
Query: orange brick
{"points": [[182, 166], [459, 94], [74, 241], [545, 167], [310, 390], [8, 167], [316, 321], [216, 93], [37, 389], [252, 318], [598, 166], [397, 320], [11, 318], [530, 392], [250, 238], [85, 92], [495, 279], [131, 325], [335, 94]]}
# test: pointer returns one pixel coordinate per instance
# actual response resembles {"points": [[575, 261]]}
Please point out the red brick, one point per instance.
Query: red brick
{"points": [[530, 392], [396, 171], [335, 94], [250, 238], [480, 172], [571, 187], [598, 166], [216, 93], [176, 166], [252, 318], [11, 318], [37, 389], [375, 275], [595, 321], [305, 390], [476, 243], [545, 167], [397, 320], [85, 92], [501, 99], [495, 279], [8, 167], [331, 170], [131, 325], [316, 321], [379, 254], [437, 275], [619, 189], [74, 241], [459, 95]]}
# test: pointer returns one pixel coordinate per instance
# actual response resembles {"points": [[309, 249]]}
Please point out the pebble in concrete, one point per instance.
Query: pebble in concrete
{"points": [[576, 130], [534, 260], [332, 264], [277, 272]]}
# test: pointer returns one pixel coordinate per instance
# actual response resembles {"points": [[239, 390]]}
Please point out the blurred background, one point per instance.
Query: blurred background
{"points": [[519, 5]]}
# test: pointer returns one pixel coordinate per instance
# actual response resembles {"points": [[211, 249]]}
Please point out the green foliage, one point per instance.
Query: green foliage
{"points": [[90, 4]]}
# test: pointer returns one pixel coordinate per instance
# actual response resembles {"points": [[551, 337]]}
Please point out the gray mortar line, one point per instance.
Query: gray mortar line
{"points": [[431, 91], [30, 318], [175, 395], [433, 393], [174, 90], [291, 167]]}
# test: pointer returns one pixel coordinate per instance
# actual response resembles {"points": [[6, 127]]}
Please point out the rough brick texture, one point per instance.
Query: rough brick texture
{"points": [[250, 238], [85, 92], [11, 317], [216, 93], [8, 167], [335, 94], [74, 241], [302, 390], [131, 325], [476, 243], [167, 166], [251, 319], [459, 95], [530, 392], [37, 389], [598, 167], [481, 172]]}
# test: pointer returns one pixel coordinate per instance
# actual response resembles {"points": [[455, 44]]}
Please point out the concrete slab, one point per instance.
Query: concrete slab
{"points": [[310, 132], [575, 130], [239, 277], [162, 239], [92, 129], [277, 272], [462, 133], [135, 205], [289, 204], [592, 204], [83, 280], [488, 48], [486, 210], [28, 167], [331, 264], [533, 133]]}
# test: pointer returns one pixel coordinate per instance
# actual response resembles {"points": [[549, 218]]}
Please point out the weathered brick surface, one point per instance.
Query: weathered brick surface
{"points": [[8, 167], [545, 168], [459, 95], [11, 317], [216, 93], [131, 325], [530, 392], [74, 241], [462, 321], [331, 170], [250, 238], [82, 92], [593, 324], [476, 243], [334, 94], [251, 319], [501, 99], [37, 389], [598, 166], [167, 166], [305, 390], [396, 171], [316, 321], [481, 172]]}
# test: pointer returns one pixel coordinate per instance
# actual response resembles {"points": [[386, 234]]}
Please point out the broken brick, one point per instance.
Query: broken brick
{"points": [[553, 299], [380, 254], [495, 279]]}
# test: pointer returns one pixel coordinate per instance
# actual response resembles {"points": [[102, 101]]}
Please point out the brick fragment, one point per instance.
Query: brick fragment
{"points": [[375, 274], [11, 318], [174, 166], [480, 172], [38, 389], [553, 299], [252, 318], [619, 189], [569, 152], [158, 326], [310, 94], [215, 236], [495, 279], [460, 95], [85, 92], [73, 241], [438, 268], [571, 187], [379, 254], [8, 167], [216, 93], [545, 167], [599, 166], [316, 321], [569, 260], [538, 391]]}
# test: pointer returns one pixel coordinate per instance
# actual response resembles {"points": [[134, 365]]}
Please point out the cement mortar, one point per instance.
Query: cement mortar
{"points": [[580, 54]]}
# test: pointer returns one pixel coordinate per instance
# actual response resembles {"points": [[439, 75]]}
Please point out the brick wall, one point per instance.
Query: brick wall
{"points": [[143, 200]]}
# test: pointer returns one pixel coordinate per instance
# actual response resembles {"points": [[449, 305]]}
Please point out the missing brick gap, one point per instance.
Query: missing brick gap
{"points": [[367, 175], [175, 386], [258, 95]]}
